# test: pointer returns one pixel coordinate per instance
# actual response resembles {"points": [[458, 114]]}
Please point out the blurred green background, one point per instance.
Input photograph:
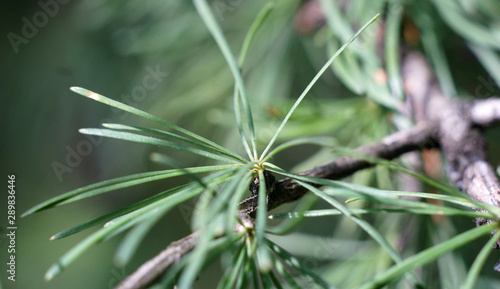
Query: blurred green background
{"points": [[111, 47], [108, 47]]}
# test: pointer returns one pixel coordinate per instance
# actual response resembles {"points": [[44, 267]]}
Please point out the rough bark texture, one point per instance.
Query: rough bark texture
{"points": [[459, 136], [418, 138]]}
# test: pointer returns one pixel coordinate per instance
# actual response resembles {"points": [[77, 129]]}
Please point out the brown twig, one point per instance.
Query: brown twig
{"points": [[444, 122], [417, 138], [459, 138], [153, 269]]}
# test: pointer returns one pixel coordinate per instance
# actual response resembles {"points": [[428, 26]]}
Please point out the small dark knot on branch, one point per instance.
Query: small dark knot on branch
{"points": [[270, 183]]}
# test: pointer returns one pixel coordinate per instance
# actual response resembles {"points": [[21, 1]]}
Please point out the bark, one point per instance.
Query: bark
{"points": [[417, 138], [153, 269]]}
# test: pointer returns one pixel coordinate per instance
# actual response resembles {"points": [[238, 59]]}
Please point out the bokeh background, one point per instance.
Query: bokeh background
{"points": [[110, 47]]}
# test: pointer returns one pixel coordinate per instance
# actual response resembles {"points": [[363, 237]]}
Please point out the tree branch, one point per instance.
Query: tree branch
{"points": [[486, 112], [153, 269], [461, 142], [417, 138], [442, 121]]}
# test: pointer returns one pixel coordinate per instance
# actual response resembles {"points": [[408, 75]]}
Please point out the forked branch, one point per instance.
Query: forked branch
{"points": [[448, 123]]}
